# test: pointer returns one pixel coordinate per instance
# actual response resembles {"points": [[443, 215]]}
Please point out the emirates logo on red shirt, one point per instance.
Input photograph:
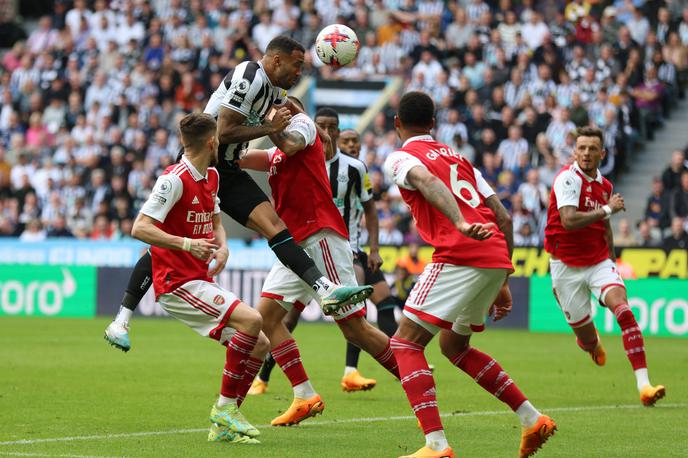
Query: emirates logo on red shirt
{"points": [[219, 300]]}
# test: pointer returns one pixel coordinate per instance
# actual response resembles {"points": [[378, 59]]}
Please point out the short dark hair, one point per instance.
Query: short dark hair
{"points": [[590, 131], [194, 128], [416, 109], [284, 44], [328, 113], [296, 101]]}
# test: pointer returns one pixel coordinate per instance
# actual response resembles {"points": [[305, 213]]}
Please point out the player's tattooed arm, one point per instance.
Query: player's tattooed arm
{"points": [[504, 221], [609, 237], [290, 142], [440, 197], [573, 219], [231, 128]]}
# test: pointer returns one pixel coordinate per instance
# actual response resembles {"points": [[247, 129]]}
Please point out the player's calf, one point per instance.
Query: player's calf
{"points": [[370, 339], [486, 372]]}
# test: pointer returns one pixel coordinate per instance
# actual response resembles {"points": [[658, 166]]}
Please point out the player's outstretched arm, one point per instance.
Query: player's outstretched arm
{"points": [[440, 197], [231, 128], [504, 221], [144, 229], [255, 159]]}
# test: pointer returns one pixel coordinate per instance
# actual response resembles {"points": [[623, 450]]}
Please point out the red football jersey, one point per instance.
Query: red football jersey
{"points": [[470, 191], [183, 202], [301, 188], [579, 247]]}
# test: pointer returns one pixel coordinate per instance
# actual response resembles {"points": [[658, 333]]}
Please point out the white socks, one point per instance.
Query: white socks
{"points": [[304, 390], [349, 369], [527, 414], [641, 378], [223, 401], [124, 315], [436, 440], [323, 286]]}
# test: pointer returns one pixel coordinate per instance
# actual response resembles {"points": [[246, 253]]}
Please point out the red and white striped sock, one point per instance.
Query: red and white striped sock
{"points": [[253, 365], [288, 357], [418, 383], [239, 347], [633, 343], [489, 374], [388, 361]]}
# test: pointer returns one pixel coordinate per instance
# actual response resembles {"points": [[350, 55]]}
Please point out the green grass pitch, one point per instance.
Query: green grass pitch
{"points": [[60, 381]]}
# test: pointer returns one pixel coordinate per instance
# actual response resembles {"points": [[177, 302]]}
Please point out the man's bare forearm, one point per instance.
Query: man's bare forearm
{"points": [[572, 219], [288, 142], [440, 197], [149, 233], [609, 237], [372, 224], [219, 230], [504, 221]]}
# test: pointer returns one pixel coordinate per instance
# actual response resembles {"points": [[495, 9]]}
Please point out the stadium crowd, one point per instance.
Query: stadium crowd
{"points": [[90, 101]]}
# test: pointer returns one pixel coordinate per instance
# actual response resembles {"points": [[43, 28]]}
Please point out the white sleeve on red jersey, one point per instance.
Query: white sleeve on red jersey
{"points": [[303, 125], [567, 189], [397, 166], [484, 188], [166, 192]]}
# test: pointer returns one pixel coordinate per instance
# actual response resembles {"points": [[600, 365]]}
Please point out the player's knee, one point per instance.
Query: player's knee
{"points": [[453, 347], [252, 321], [262, 346]]}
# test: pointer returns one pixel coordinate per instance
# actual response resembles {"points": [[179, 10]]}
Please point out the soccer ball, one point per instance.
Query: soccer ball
{"points": [[337, 45]]}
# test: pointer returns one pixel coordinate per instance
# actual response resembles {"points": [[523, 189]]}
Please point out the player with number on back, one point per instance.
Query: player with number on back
{"points": [[455, 212], [181, 220], [579, 239], [240, 104]]}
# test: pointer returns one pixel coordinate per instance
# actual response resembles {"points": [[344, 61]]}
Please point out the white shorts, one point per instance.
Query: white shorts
{"points": [[453, 297], [332, 255], [203, 306], [572, 287]]}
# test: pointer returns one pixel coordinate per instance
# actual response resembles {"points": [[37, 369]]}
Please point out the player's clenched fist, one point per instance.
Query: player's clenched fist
{"points": [[202, 249], [477, 231], [280, 119], [616, 203]]}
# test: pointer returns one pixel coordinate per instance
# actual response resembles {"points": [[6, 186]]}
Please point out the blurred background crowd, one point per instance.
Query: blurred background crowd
{"points": [[89, 102]]}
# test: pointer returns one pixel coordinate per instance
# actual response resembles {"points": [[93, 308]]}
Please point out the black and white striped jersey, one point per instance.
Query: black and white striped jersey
{"points": [[247, 90], [351, 187]]}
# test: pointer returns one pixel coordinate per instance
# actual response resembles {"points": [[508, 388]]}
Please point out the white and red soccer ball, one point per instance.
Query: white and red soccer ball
{"points": [[337, 45]]}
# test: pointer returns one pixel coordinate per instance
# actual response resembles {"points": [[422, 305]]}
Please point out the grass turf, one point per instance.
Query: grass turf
{"points": [[58, 379]]}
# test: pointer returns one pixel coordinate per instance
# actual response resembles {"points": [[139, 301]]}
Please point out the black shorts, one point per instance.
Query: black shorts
{"points": [[371, 278], [239, 194]]}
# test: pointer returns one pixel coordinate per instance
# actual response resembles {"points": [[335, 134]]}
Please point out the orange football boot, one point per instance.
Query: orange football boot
{"points": [[598, 355], [533, 438], [426, 452], [649, 395], [354, 381], [299, 410], [258, 387]]}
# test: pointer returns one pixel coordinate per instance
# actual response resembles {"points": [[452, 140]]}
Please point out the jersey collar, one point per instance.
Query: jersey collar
{"points": [[598, 178], [419, 138], [262, 69], [192, 170]]}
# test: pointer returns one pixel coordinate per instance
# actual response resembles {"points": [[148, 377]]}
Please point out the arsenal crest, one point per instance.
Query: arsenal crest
{"points": [[605, 196], [219, 300]]}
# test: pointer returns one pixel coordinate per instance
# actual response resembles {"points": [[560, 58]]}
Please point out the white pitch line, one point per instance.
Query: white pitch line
{"points": [[331, 422], [51, 455]]}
